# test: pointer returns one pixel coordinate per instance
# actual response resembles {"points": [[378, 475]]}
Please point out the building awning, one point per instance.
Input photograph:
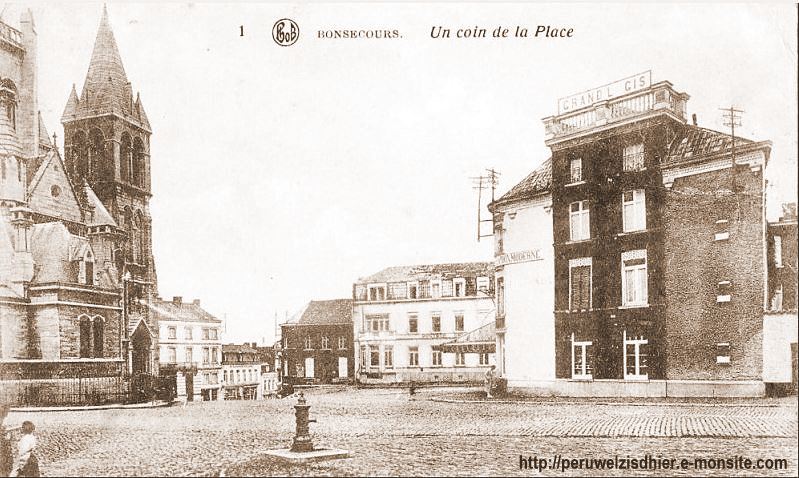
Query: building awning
{"points": [[481, 341]]}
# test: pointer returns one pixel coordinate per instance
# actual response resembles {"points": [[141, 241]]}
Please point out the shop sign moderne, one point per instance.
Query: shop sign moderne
{"points": [[520, 256], [605, 92]]}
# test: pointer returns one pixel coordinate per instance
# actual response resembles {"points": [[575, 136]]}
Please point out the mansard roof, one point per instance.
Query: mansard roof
{"points": [[695, 142], [536, 183], [106, 89], [166, 310], [429, 271]]}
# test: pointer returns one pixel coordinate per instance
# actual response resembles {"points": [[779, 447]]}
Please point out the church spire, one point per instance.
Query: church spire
{"points": [[71, 109], [106, 79]]}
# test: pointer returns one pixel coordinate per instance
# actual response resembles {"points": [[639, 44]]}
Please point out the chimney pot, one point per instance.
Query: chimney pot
{"points": [[693, 118], [177, 300], [196, 302]]}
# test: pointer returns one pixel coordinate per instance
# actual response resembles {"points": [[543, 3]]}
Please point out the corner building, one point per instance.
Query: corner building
{"points": [[659, 245]]}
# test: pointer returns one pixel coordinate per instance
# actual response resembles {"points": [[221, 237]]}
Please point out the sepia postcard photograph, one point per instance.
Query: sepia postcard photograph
{"points": [[398, 239]]}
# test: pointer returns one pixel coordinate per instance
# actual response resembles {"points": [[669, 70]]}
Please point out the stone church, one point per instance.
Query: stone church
{"points": [[76, 266]]}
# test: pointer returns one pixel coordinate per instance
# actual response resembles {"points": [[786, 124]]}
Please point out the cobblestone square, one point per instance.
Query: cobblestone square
{"points": [[389, 434]]}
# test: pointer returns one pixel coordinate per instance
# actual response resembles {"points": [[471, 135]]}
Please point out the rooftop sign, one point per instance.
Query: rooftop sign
{"points": [[606, 92]]}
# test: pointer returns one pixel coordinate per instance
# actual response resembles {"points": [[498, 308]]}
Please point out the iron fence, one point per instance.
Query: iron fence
{"points": [[48, 391]]}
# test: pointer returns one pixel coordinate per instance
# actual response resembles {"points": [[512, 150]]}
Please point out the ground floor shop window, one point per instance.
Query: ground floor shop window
{"points": [[581, 366], [635, 357]]}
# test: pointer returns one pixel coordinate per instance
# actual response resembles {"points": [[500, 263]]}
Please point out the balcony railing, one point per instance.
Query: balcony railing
{"points": [[10, 35], [659, 97]]}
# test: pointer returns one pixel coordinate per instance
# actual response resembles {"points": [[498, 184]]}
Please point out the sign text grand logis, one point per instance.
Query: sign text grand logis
{"points": [[606, 92]]}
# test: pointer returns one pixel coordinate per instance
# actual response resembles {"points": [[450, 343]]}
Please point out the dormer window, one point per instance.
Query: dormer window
{"points": [[86, 271], [377, 292], [459, 285], [435, 289], [483, 284]]}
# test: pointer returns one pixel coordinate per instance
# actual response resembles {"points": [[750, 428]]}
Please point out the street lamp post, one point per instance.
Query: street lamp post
{"points": [[126, 349]]}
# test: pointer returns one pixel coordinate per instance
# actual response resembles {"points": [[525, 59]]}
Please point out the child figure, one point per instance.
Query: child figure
{"points": [[28, 464]]}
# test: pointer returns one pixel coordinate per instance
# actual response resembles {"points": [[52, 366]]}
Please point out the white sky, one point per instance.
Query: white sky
{"points": [[281, 175]]}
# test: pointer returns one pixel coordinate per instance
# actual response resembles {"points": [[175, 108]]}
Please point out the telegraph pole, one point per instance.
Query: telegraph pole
{"points": [[480, 183], [732, 118]]}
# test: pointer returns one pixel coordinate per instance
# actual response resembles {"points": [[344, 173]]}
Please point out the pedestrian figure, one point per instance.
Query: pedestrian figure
{"points": [[489, 381], [412, 388], [28, 464], [6, 454]]}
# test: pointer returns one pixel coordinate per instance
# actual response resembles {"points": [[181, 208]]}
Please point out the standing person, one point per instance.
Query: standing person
{"points": [[489, 381], [6, 455], [28, 464]]}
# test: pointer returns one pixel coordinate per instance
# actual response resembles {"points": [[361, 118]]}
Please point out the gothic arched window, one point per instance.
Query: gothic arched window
{"points": [[138, 163], [127, 224], [96, 157], [140, 234], [85, 336], [98, 329], [125, 157], [79, 153]]}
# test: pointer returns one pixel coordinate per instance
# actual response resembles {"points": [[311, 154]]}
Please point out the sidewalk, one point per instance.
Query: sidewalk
{"points": [[479, 397], [153, 404]]}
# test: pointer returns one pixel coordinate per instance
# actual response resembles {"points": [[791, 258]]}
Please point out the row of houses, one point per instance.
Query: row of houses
{"points": [[399, 327], [636, 260]]}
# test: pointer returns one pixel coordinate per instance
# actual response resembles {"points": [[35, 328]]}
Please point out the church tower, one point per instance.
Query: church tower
{"points": [[107, 145]]}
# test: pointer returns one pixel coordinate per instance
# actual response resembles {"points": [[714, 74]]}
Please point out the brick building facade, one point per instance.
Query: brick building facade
{"points": [[660, 245], [317, 344], [780, 334]]}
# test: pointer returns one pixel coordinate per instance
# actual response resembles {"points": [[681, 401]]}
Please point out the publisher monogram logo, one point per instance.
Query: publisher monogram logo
{"points": [[285, 32]]}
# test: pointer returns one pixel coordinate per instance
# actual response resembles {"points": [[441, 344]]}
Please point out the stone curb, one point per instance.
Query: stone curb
{"points": [[86, 408], [637, 404]]}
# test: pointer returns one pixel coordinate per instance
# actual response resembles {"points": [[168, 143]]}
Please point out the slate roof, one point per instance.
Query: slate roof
{"points": [[696, 142], [101, 215], [44, 136], [324, 312], [185, 311], [537, 182], [429, 271], [239, 349], [106, 89]]}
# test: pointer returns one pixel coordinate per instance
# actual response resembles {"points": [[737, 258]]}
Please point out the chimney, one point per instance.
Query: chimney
{"points": [[196, 302], [693, 117], [177, 300], [253, 344]]}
